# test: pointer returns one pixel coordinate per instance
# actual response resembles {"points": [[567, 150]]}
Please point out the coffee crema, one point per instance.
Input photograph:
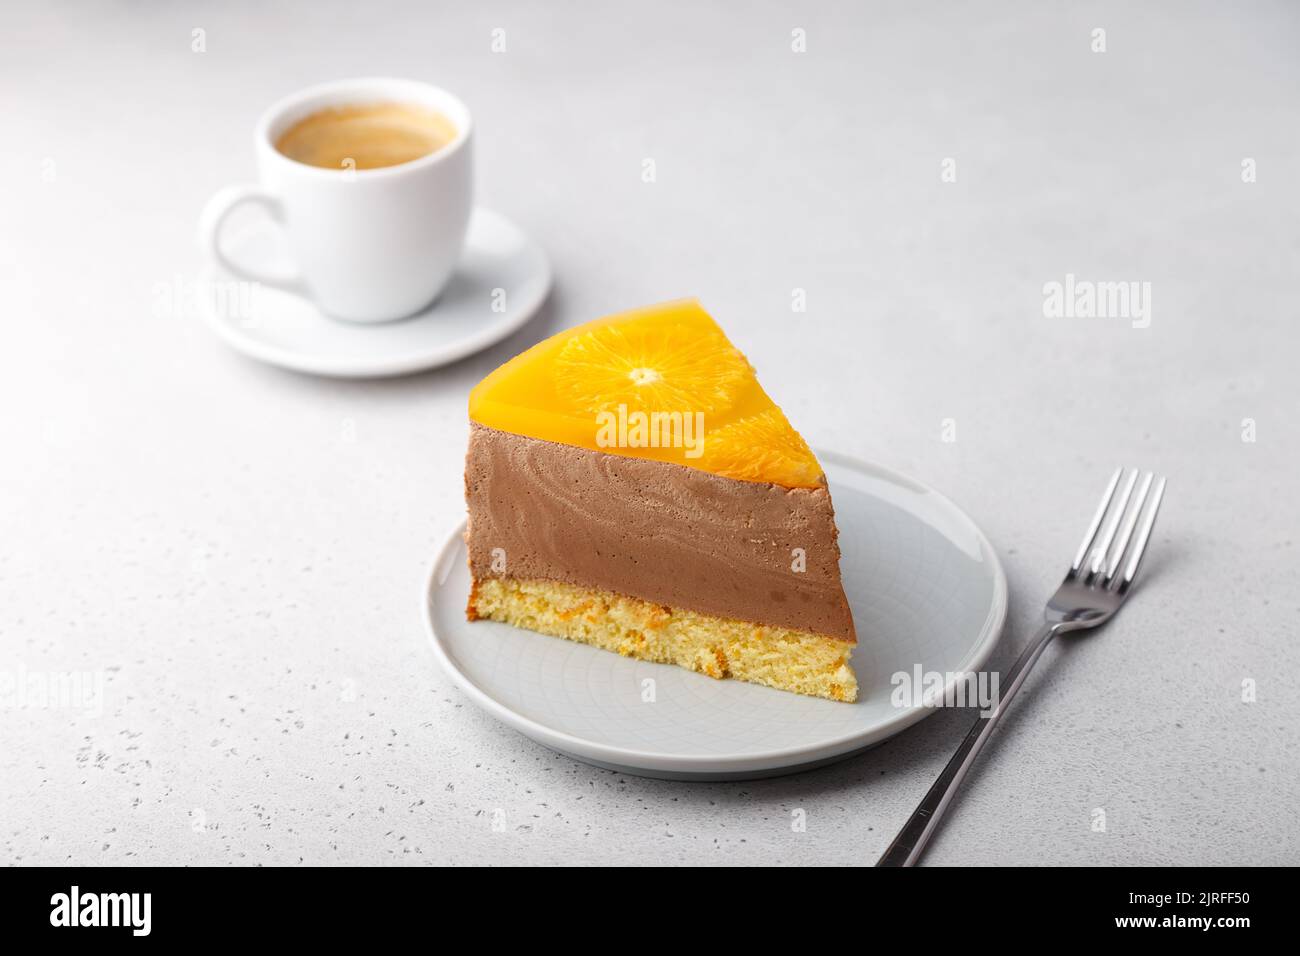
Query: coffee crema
{"points": [[366, 136]]}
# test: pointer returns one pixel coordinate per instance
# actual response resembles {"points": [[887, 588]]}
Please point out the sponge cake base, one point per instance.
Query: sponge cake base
{"points": [[786, 659]]}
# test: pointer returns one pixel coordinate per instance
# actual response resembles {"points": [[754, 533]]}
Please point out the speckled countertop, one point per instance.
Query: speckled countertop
{"points": [[235, 554]]}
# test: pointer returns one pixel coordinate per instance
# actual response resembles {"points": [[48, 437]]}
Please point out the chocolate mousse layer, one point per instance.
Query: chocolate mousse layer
{"points": [[654, 530]]}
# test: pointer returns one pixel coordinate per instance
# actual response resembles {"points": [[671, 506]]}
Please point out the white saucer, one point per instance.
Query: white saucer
{"points": [[288, 330], [926, 588]]}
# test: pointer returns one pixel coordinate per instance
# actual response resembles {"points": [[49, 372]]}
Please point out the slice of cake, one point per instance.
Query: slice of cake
{"points": [[631, 486]]}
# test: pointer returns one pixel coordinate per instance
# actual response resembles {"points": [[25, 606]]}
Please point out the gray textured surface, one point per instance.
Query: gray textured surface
{"points": [[240, 551]]}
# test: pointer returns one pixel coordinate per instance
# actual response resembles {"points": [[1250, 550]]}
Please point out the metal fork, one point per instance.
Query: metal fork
{"points": [[1092, 592]]}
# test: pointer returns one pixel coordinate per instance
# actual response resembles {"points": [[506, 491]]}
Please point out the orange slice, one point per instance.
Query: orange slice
{"points": [[648, 366], [662, 383], [757, 447]]}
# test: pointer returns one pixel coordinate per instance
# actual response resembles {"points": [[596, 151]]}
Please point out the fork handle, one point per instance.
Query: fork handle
{"points": [[916, 833]]}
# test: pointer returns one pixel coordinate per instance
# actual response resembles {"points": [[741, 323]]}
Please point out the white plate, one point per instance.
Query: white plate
{"points": [[926, 588], [288, 330]]}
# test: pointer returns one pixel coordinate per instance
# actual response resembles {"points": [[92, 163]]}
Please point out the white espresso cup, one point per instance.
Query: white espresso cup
{"points": [[369, 245]]}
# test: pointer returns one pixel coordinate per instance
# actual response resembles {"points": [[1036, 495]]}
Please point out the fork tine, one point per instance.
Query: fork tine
{"points": [[1139, 549], [1121, 542], [1096, 520], [1099, 555]]}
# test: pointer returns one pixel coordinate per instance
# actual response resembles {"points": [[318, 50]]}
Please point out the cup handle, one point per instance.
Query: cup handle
{"points": [[220, 206]]}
